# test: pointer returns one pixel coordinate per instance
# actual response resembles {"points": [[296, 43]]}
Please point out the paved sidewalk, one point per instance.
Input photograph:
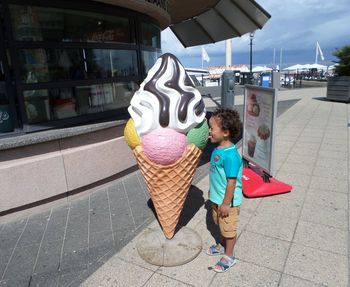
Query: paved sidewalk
{"points": [[296, 239]]}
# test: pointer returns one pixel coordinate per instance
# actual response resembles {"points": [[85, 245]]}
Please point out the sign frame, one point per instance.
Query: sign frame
{"points": [[259, 92]]}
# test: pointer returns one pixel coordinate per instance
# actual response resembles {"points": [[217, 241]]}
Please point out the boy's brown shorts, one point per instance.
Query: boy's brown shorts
{"points": [[227, 225]]}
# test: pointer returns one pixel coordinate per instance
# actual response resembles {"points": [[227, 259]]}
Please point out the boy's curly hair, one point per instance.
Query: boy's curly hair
{"points": [[229, 120]]}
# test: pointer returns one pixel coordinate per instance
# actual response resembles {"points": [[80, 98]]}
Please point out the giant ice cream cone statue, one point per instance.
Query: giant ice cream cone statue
{"points": [[167, 132]]}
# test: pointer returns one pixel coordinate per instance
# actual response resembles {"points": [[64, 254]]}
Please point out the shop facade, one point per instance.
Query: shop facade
{"points": [[65, 63]]}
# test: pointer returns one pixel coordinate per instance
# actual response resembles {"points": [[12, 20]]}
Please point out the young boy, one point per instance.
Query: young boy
{"points": [[225, 183]]}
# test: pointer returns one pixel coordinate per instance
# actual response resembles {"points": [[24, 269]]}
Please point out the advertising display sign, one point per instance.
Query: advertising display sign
{"points": [[260, 108]]}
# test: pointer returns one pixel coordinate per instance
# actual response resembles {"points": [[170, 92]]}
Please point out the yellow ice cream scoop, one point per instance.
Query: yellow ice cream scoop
{"points": [[130, 134]]}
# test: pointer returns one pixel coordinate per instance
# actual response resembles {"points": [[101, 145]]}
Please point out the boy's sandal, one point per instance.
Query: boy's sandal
{"points": [[215, 249], [224, 264]]}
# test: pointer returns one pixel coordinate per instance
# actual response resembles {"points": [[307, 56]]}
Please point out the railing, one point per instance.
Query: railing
{"points": [[160, 3]]}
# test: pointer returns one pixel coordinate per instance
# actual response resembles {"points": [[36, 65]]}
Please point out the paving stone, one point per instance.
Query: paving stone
{"points": [[160, 280], [120, 209], [271, 225], [72, 277], [339, 147], [99, 202], [322, 237], [45, 280], [280, 207], [20, 267], [77, 226], [261, 250], [79, 207], [339, 185], [296, 168], [294, 179], [297, 193], [99, 222], [250, 204], [122, 236], [125, 275], [4, 258], [74, 259], [140, 210], [299, 150], [327, 198], [130, 254], [99, 245], [57, 224], [245, 274], [194, 273], [309, 263], [143, 184], [325, 215], [330, 155], [11, 234], [48, 257], [291, 281], [301, 159], [333, 173], [72, 244], [309, 139], [34, 230]]}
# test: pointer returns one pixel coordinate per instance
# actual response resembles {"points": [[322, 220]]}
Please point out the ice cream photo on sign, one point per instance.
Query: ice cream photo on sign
{"points": [[167, 133]]}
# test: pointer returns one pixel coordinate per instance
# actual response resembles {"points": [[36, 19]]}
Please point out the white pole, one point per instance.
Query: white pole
{"points": [[316, 53], [274, 59], [228, 52], [281, 60]]}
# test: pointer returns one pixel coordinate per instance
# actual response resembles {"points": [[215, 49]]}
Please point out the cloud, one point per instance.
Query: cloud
{"points": [[294, 25]]}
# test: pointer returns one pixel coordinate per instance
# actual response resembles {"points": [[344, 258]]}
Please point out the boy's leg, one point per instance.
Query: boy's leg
{"points": [[228, 230], [230, 244], [222, 240]]}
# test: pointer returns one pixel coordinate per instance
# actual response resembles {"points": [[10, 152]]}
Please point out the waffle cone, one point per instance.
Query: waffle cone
{"points": [[168, 185]]}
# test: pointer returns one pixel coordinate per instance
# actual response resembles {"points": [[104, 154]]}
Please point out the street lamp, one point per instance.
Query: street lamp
{"points": [[251, 35]]}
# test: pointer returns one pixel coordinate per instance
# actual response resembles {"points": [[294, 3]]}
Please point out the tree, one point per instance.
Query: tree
{"points": [[343, 55]]}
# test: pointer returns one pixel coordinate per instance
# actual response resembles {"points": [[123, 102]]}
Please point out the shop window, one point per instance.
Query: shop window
{"points": [[103, 63], [32, 23], [150, 35], [60, 103], [47, 65], [148, 58]]}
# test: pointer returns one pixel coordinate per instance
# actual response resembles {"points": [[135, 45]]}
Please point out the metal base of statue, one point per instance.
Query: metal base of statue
{"points": [[155, 248]]}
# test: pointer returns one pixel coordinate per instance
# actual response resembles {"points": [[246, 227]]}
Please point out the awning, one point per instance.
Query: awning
{"points": [[223, 20]]}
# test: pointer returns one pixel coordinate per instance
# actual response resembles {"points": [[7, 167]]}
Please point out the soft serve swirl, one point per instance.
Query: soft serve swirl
{"points": [[166, 98]]}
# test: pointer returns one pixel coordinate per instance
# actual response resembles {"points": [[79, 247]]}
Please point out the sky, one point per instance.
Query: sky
{"points": [[295, 26]]}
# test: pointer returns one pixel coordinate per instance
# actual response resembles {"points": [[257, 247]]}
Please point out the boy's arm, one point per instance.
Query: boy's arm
{"points": [[226, 204]]}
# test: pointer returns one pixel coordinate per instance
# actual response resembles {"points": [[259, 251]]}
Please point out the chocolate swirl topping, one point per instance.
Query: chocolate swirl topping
{"points": [[174, 83]]}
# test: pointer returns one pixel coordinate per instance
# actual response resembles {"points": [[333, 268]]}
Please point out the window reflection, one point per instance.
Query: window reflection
{"points": [[60, 103], [32, 23], [150, 35], [148, 60], [45, 65], [102, 63]]}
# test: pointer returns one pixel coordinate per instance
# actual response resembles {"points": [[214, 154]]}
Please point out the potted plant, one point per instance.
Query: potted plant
{"points": [[338, 87]]}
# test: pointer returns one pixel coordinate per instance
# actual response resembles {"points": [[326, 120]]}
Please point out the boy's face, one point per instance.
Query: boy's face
{"points": [[216, 134]]}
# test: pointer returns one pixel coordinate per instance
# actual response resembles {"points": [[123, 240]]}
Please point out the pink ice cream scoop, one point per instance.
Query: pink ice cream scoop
{"points": [[164, 146]]}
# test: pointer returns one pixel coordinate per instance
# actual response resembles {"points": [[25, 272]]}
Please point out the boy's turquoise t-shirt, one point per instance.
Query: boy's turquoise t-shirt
{"points": [[225, 163]]}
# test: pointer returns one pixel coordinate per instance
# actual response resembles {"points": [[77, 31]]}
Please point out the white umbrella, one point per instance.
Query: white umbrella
{"points": [[259, 69], [296, 67], [317, 66]]}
